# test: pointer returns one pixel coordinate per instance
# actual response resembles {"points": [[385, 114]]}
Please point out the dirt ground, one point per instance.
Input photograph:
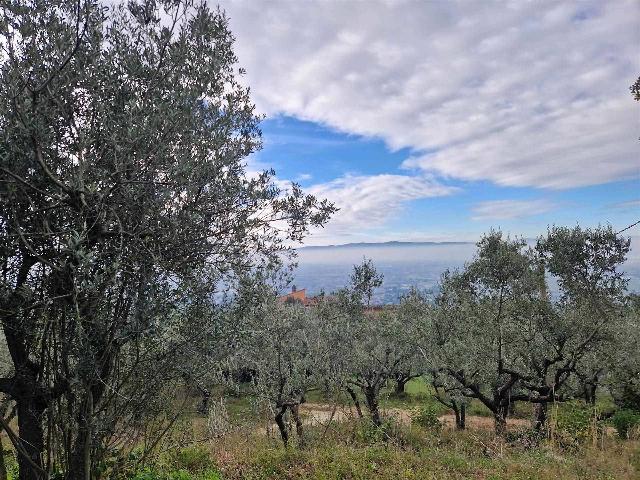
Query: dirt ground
{"points": [[321, 414]]}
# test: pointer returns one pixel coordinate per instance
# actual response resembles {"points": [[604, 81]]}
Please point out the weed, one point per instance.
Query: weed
{"points": [[427, 417], [625, 422]]}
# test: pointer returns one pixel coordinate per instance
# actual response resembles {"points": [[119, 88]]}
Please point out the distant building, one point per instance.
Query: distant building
{"points": [[296, 296], [300, 296]]}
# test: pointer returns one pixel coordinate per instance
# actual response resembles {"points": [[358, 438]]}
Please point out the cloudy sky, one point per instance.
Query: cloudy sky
{"points": [[436, 120]]}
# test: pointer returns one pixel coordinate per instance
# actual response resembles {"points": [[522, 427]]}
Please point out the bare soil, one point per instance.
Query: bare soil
{"points": [[321, 414]]}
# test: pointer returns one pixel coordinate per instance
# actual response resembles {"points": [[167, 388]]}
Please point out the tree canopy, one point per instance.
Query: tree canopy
{"points": [[126, 204]]}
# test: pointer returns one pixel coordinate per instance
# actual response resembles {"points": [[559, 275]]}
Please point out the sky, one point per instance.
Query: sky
{"points": [[438, 120]]}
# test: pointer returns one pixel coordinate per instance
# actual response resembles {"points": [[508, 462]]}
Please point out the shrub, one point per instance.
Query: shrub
{"points": [[575, 423], [191, 459], [427, 417], [367, 433], [625, 421]]}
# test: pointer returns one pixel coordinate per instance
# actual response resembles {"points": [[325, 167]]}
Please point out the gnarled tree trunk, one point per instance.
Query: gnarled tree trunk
{"points": [[371, 397], [282, 426], [295, 412], [460, 412], [500, 418], [540, 419], [356, 402], [80, 467], [401, 383], [589, 392], [30, 428]]}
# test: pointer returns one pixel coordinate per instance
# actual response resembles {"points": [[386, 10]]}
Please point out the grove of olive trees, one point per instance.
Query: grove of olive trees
{"points": [[502, 335], [519, 323], [141, 260]]}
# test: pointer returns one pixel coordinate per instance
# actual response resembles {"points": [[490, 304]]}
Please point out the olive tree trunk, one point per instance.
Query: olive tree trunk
{"points": [[355, 400], [282, 426], [371, 398]]}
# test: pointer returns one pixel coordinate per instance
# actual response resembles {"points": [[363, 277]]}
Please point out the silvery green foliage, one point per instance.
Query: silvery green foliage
{"points": [[365, 279], [501, 335], [586, 265], [481, 313], [375, 344], [124, 133], [623, 358], [283, 347]]}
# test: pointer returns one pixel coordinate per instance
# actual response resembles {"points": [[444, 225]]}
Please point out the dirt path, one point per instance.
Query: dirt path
{"points": [[321, 414]]}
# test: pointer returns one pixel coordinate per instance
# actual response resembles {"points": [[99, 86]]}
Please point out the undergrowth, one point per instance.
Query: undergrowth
{"points": [[357, 450]]}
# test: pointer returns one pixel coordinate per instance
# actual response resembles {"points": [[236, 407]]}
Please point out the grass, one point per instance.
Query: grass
{"points": [[354, 450], [412, 453]]}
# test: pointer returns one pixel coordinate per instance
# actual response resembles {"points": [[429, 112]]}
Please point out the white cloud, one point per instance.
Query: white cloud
{"points": [[304, 177], [633, 205], [510, 209], [518, 93], [368, 202]]}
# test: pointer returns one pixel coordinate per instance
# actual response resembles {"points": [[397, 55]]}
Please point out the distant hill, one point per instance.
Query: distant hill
{"points": [[393, 243]]}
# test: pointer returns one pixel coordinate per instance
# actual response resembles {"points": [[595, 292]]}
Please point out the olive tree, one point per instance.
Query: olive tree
{"points": [[530, 345], [365, 279], [282, 344], [479, 317], [569, 332], [125, 204], [579, 331], [375, 344]]}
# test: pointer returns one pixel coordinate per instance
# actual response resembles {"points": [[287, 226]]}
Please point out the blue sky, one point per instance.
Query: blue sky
{"points": [[439, 120], [311, 154]]}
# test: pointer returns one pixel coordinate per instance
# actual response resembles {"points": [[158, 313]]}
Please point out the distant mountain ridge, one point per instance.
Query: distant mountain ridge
{"points": [[392, 243]]}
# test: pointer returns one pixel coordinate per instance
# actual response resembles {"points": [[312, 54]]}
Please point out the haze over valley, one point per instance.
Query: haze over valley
{"points": [[403, 264]]}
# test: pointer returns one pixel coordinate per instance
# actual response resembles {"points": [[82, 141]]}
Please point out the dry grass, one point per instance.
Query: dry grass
{"points": [[351, 451], [348, 448]]}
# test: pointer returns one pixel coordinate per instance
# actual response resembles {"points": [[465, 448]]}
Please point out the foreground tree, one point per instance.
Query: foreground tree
{"points": [[124, 204]]}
